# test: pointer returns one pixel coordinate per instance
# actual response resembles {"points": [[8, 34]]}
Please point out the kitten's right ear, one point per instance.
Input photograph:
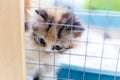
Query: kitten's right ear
{"points": [[42, 13]]}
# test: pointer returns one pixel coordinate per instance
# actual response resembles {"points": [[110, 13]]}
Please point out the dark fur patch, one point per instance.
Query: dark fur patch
{"points": [[60, 31], [42, 13], [69, 18], [49, 26], [26, 26], [50, 21], [36, 78]]}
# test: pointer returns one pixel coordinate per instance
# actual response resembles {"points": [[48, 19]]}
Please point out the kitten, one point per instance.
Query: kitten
{"points": [[52, 32]]}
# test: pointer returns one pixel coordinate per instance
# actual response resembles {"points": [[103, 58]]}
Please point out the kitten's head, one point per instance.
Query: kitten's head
{"points": [[54, 30]]}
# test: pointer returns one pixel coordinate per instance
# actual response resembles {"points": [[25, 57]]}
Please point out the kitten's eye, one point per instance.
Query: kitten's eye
{"points": [[57, 47], [41, 42]]}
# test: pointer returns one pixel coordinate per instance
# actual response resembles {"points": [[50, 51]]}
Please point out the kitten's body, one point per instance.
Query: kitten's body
{"points": [[46, 61], [50, 36]]}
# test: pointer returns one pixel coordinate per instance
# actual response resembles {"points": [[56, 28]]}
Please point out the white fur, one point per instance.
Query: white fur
{"points": [[48, 62]]}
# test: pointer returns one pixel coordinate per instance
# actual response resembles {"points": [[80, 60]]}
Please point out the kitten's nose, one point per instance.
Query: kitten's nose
{"points": [[56, 47]]}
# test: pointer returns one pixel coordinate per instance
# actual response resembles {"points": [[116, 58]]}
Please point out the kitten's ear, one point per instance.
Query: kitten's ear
{"points": [[42, 13], [76, 30], [76, 27]]}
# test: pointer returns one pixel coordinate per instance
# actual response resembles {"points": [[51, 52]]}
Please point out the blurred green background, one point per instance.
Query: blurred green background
{"points": [[113, 5]]}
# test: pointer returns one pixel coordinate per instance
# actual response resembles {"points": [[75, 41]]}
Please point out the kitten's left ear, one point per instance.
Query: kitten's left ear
{"points": [[76, 30], [42, 13]]}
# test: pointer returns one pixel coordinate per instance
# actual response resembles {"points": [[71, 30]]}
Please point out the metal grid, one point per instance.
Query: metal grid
{"points": [[103, 43]]}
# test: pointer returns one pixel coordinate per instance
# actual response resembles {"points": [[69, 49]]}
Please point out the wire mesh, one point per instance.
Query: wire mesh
{"points": [[94, 52]]}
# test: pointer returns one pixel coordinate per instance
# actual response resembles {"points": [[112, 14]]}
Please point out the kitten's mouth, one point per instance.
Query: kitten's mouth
{"points": [[47, 52], [50, 52]]}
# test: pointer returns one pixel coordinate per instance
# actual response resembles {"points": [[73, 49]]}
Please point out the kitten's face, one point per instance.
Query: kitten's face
{"points": [[52, 30]]}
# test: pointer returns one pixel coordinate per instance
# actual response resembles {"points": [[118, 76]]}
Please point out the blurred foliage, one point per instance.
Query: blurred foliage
{"points": [[113, 5]]}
